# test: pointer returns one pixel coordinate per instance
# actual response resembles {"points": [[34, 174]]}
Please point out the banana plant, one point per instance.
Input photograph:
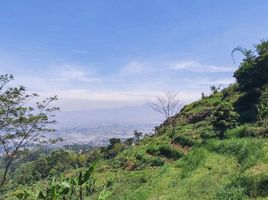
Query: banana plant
{"points": [[69, 187], [81, 182], [55, 190]]}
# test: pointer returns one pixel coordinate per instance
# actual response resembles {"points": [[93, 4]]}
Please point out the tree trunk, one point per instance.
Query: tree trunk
{"points": [[81, 193]]}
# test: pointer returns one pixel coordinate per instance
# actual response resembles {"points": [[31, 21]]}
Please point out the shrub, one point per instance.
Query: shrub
{"points": [[156, 162], [207, 132], [166, 151], [224, 117], [151, 161], [152, 150], [184, 140], [254, 185]]}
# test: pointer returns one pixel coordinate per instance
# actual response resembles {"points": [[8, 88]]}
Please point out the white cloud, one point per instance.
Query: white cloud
{"points": [[79, 99], [108, 95], [133, 67], [196, 66], [74, 73], [135, 83]]}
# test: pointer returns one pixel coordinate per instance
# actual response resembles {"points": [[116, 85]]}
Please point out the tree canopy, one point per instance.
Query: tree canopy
{"points": [[253, 70]]}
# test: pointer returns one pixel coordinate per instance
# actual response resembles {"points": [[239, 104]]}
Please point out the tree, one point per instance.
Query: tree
{"points": [[23, 124], [129, 141], [253, 70], [113, 141], [167, 105], [215, 89], [251, 76], [224, 117], [137, 135]]}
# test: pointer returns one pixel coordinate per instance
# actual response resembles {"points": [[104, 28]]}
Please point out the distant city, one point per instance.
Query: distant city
{"points": [[97, 135], [97, 126]]}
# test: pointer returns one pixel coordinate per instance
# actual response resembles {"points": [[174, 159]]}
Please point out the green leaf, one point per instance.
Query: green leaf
{"points": [[41, 195], [89, 171], [80, 178]]}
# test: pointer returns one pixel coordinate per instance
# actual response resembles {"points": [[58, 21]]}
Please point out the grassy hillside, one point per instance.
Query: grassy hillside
{"points": [[190, 156], [197, 165]]}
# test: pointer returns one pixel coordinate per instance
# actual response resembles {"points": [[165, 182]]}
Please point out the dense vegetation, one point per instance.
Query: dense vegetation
{"points": [[215, 148]]}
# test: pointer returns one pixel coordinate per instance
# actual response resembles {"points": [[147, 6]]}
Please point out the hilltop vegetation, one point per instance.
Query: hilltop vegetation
{"points": [[214, 148]]}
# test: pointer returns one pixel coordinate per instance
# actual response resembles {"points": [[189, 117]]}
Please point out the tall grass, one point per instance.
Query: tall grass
{"points": [[192, 161], [247, 151]]}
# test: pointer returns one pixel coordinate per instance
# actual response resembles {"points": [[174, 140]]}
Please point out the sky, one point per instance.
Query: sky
{"points": [[97, 54]]}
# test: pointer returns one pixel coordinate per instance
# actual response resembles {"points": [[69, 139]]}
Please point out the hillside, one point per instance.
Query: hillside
{"points": [[214, 148]]}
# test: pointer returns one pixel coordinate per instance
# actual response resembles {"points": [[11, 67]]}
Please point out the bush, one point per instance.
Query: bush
{"points": [[143, 160], [152, 150], [254, 185], [184, 140], [156, 162], [224, 117], [166, 151]]}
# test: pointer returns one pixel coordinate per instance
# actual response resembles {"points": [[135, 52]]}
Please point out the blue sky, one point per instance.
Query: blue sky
{"points": [[107, 53]]}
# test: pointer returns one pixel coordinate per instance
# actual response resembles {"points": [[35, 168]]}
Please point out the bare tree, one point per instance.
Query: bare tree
{"points": [[167, 105], [23, 123]]}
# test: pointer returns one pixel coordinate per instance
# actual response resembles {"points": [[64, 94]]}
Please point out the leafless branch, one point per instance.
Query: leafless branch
{"points": [[167, 105]]}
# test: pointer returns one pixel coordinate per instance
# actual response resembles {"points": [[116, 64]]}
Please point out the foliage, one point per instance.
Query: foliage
{"points": [[137, 135], [224, 117], [215, 89], [104, 194], [262, 109], [184, 140], [253, 71], [69, 187], [22, 126], [113, 149], [166, 151]]}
